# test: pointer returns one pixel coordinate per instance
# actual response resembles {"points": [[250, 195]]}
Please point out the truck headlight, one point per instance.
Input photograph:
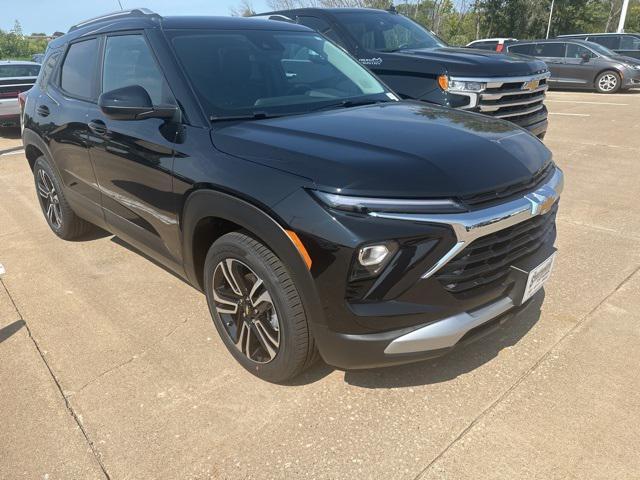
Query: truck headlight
{"points": [[454, 85]]}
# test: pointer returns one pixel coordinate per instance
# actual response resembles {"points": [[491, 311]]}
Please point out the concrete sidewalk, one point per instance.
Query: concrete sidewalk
{"points": [[121, 374]]}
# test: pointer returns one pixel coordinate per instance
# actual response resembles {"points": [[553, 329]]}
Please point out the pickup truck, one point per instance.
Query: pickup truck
{"points": [[418, 65]]}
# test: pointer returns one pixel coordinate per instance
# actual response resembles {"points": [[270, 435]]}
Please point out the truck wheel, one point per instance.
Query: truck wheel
{"points": [[59, 215], [608, 82], [256, 308]]}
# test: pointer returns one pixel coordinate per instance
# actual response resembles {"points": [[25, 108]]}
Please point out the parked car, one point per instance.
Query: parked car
{"points": [[627, 44], [272, 171], [15, 77], [495, 44], [581, 64], [418, 65]]}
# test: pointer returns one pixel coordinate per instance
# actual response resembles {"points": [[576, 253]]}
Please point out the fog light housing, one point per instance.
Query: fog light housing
{"points": [[372, 259]]}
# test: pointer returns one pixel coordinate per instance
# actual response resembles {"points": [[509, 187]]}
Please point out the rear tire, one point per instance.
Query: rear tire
{"points": [[57, 212], [608, 82], [256, 308]]}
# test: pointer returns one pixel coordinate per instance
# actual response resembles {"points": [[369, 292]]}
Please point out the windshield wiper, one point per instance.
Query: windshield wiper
{"points": [[248, 116], [349, 104]]}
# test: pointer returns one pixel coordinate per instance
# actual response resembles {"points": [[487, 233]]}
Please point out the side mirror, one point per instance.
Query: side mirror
{"points": [[586, 57], [133, 103]]}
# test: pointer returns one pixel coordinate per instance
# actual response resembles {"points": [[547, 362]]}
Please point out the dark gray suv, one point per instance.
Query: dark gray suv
{"points": [[582, 64]]}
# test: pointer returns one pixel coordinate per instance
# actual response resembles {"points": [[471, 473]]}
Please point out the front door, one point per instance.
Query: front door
{"points": [[581, 65], [552, 53], [133, 159]]}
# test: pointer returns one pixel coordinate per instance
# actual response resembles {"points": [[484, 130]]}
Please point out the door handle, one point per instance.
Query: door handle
{"points": [[43, 110], [98, 127]]}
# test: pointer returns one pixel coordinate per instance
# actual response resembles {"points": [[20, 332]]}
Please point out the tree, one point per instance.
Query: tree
{"points": [[244, 9]]}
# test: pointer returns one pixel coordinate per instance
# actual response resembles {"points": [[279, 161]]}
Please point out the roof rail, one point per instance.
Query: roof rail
{"points": [[276, 16], [136, 12]]}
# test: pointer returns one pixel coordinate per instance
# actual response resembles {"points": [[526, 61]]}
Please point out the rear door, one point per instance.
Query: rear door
{"points": [[552, 53], [581, 65], [61, 117], [134, 158]]}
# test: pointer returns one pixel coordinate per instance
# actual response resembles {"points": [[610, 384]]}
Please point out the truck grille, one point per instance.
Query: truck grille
{"points": [[485, 199], [513, 99], [488, 259]]}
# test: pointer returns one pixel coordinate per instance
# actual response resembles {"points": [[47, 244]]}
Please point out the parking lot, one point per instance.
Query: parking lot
{"points": [[110, 366]]}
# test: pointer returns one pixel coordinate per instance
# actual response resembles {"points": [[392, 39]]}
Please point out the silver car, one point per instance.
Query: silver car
{"points": [[15, 77], [582, 64]]}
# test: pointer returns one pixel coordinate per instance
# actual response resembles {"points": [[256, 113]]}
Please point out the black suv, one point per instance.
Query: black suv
{"points": [[418, 65], [268, 168]]}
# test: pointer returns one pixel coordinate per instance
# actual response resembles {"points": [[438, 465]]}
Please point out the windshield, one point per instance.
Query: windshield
{"points": [[387, 32], [243, 73], [596, 47]]}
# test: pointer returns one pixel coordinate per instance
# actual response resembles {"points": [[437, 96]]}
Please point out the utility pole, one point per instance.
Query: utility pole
{"points": [[551, 15], [623, 16]]}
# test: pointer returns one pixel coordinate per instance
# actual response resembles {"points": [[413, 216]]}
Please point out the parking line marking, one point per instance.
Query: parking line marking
{"points": [[587, 103], [12, 152], [571, 114]]}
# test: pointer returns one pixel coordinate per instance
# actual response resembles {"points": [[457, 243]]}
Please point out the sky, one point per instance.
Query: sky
{"points": [[48, 16]]}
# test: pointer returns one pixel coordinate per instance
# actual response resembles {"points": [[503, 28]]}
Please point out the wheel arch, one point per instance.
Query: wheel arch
{"points": [[208, 214], [607, 69], [35, 147]]}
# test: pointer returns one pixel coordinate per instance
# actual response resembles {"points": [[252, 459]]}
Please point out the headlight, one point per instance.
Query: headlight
{"points": [[400, 205], [453, 85]]}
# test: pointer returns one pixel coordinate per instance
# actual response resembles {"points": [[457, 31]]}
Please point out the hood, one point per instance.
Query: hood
{"points": [[471, 62], [396, 149], [628, 60]]}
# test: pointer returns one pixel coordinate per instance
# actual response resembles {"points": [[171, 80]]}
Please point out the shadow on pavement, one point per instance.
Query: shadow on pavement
{"points": [[10, 132], [9, 330]]}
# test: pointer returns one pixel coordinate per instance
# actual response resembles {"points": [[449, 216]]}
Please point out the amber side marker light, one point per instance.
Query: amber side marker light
{"points": [[300, 246], [443, 81]]}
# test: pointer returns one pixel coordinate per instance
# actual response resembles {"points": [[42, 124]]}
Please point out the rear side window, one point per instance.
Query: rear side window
{"points": [[128, 61], [522, 49], [48, 67], [630, 43], [485, 45], [549, 50], [7, 71], [609, 41], [78, 75]]}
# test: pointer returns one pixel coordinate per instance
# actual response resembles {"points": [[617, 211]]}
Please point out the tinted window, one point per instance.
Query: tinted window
{"points": [[319, 25], [241, 72], [48, 67], [19, 70], [549, 50], [79, 69], [630, 43], [129, 61], [387, 32], [522, 49], [609, 41], [577, 51], [485, 45]]}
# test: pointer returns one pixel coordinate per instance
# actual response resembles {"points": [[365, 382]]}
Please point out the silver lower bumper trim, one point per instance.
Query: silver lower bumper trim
{"points": [[447, 332]]}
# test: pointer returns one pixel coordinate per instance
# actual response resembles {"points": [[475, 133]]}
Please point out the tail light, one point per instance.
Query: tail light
{"points": [[500, 47], [10, 94], [22, 100]]}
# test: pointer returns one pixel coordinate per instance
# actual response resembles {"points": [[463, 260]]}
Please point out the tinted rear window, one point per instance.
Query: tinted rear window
{"points": [[79, 69], [549, 50], [609, 41], [522, 49], [18, 70]]}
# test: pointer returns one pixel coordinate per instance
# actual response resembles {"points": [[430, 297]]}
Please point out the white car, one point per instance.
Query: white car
{"points": [[15, 77], [495, 44]]}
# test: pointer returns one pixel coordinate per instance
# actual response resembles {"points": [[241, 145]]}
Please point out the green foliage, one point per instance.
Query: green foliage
{"points": [[14, 45]]}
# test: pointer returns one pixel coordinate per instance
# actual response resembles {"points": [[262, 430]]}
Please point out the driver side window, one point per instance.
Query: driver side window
{"points": [[129, 61]]}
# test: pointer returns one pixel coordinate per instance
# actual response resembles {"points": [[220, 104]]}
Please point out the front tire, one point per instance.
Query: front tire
{"points": [[58, 213], [256, 308], [608, 82]]}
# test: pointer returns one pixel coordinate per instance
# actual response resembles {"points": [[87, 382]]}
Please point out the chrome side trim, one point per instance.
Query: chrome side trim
{"points": [[447, 332], [469, 226]]}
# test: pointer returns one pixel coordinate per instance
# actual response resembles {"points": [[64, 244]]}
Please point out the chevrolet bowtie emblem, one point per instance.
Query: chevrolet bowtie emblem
{"points": [[531, 85], [542, 201]]}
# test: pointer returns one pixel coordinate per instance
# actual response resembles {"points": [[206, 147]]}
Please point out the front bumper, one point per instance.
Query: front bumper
{"points": [[413, 317], [631, 78]]}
